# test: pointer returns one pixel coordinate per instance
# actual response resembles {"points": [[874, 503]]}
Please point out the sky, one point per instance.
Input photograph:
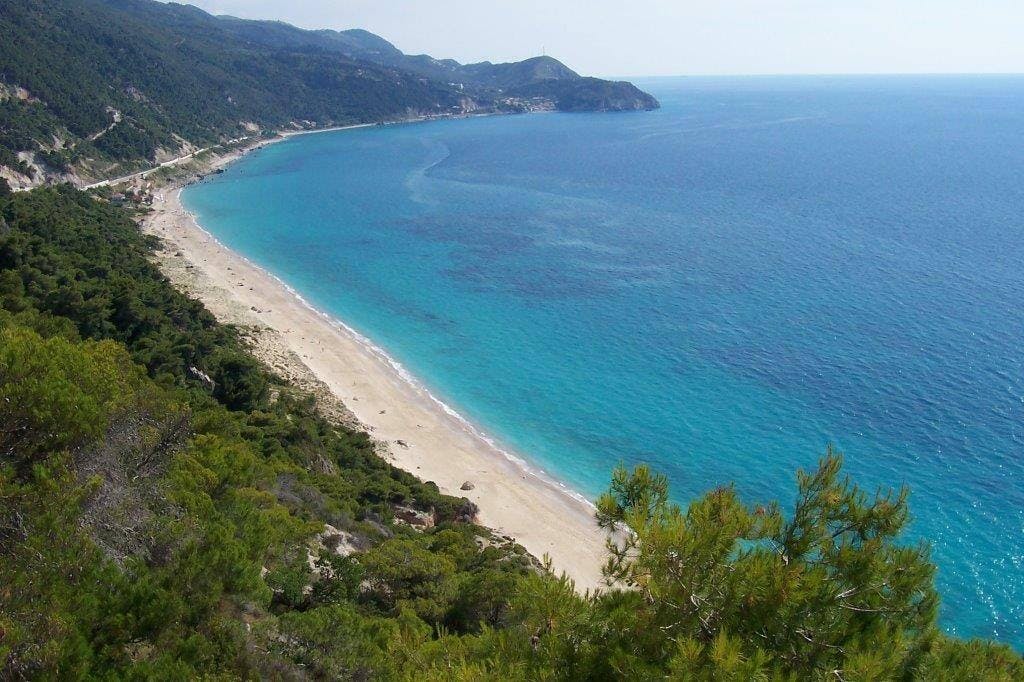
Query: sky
{"points": [[683, 37]]}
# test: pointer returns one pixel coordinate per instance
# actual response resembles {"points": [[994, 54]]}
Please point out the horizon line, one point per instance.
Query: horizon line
{"points": [[815, 74]]}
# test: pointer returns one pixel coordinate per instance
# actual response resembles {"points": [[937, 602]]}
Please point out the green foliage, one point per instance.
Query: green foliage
{"points": [[289, 581], [56, 395], [118, 80], [145, 519], [340, 579], [174, 71], [239, 380], [40, 603], [744, 590], [952, 660], [22, 126], [403, 574], [72, 257], [333, 642], [156, 526]]}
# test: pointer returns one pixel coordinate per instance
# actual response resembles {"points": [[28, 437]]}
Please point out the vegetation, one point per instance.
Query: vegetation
{"points": [[106, 84], [117, 81], [148, 512], [169, 510]]}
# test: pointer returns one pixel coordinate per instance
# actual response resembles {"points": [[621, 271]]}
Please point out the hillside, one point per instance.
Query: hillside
{"points": [[171, 509], [484, 80], [90, 88]]}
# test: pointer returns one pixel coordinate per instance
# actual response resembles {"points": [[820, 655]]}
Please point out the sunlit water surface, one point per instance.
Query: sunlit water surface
{"points": [[718, 288]]}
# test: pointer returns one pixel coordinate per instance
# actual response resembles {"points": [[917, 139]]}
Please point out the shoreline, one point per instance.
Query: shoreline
{"points": [[222, 159], [372, 391]]}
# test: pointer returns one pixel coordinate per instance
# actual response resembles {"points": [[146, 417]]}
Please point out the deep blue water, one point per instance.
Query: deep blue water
{"points": [[718, 288]]}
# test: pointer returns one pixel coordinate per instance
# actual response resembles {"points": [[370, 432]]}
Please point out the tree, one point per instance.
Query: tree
{"points": [[56, 395], [827, 590], [143, 524], [401, 573], [239, 380], [965, 661]]}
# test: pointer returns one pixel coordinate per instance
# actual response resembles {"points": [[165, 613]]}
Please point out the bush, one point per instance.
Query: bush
{"points": [[57, 395]]}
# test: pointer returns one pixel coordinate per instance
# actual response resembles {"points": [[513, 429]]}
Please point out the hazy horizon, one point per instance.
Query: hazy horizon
{"points": [[659, 38]]}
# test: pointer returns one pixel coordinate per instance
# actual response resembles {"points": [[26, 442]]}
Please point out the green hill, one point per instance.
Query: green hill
{"points": [[100, 86]]}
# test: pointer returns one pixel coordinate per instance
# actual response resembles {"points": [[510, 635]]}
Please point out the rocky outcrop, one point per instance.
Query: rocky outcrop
{"points": [[466, 512], [414, 517]]}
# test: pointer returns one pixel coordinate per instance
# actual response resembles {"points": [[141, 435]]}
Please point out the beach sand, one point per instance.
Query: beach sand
{"points": [[355, 381]]}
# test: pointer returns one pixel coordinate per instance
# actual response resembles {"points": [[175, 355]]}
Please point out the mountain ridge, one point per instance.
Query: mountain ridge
{"points": [[360, 44], [91, 89]]}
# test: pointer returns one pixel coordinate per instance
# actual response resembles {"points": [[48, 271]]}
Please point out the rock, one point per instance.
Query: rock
{"points": [[466, 512], [467, 486], [338, 541], [413, 517], [203, 377]]}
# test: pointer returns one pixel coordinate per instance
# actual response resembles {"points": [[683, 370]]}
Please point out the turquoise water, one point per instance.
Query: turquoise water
{"points": [[718, 288]]}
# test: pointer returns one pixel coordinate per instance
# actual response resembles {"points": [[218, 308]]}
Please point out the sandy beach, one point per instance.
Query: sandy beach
{"points": [[358, 382]]}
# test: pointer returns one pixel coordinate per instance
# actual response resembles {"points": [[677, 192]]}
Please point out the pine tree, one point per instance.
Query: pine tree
{"points": [[827, 589]]}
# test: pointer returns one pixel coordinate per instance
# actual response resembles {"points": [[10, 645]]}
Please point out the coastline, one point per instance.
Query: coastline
{"points": [[359, 383]]}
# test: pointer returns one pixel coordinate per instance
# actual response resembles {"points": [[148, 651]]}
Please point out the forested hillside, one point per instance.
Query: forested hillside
{"points": [[171, 510], [95, 86], [170, 76]]}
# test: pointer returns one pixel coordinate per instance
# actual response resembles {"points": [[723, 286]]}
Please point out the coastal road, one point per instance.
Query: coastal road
{"points": [[180, 159], [165, 164], [186, 157], [142, 174]]}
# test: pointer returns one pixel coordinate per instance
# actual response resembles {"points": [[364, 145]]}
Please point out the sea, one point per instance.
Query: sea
{"points": [[720, 289]]}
